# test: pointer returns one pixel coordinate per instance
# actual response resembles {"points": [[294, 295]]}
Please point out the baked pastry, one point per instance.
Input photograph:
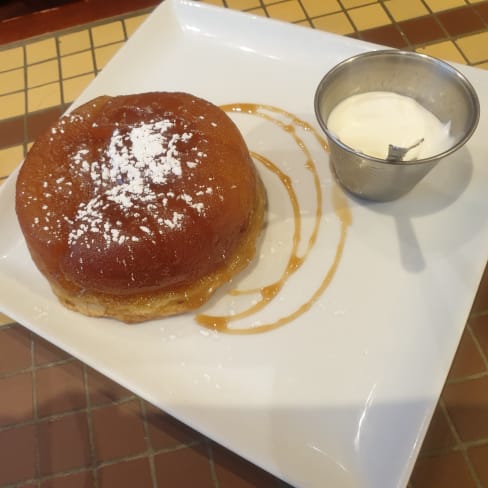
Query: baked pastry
{"points": [[140, 206]]}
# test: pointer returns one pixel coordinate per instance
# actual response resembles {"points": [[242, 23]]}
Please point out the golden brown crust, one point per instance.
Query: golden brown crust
{"points": [[136, 206]]}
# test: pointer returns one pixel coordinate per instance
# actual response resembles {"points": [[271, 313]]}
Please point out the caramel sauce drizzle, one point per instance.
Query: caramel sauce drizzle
{"points": [[295, 261]]}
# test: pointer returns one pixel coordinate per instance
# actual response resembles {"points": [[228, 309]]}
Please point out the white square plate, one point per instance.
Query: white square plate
{"points": [[342, 395]]}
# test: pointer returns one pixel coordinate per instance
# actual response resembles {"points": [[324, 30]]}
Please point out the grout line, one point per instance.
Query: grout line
{"points": [[408, 44], [89, 421], [471, 377], [483, 313], [38, 480], [349, 18], [37, 367], [60, 75], [144, 454], [59, 415], [76, 28], [92, 49], [454, 448], [478, 346], [211, 460], [263, 6], [150, 450], [26, 101], [35, 416], [124, 30], [462, 446], [9, 325]]}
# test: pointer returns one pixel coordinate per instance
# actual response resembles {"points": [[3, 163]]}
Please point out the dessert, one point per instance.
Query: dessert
{"points": [[140, 206]]}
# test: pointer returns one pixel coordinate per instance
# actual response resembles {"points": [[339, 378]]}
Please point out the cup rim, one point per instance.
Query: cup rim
{"points": [[397, 52]]}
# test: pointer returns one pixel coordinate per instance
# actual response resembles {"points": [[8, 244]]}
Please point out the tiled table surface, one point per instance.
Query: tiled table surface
{"points": [[62, 424]]}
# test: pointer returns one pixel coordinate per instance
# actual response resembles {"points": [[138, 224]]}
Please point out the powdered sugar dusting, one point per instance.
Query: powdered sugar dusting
{"points": [[131, 174], [129, 190]]}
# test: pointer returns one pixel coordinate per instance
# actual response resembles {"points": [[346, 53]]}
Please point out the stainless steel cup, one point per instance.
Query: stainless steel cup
{"points": [[436, 85]]}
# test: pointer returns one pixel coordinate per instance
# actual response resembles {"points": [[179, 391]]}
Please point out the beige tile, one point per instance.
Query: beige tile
{"points": [[482, 65], [439, 5], [43, 97], [11, 58], [72, 43], [355, 3], [474, 47], [10, 158], [258, 11], [41, 50], [107, 33], [369, 17], [11, 81], [42, 73], [104, 54], [74, 86], [315, 8], [77, 64], [4, 320], [289, 11], [243, 4], [336, 23], [404, 10], [218, 3], [12, 105], [444, 50], [133, 23]]}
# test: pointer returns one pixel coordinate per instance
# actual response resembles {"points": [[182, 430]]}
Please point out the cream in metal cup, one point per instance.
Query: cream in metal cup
{"points": [[434, 84]]}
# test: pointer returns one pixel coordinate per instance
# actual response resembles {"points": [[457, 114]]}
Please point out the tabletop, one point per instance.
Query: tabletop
{"points": [[116, 438]]}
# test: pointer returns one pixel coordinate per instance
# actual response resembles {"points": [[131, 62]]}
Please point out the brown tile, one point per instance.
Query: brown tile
{"points": [[482, 10], [83, 479], [448, 470], [18, 454], [45, 352], [103, 390], [60, 388], [421, 30], [354, 35], [118, 431], [439, 435], [468, 360], [479, 327], [39, 122], [16, 399], [165, 431], [460, 21], [467, 405], [126, 474], [474, 46], [72, 14], [12, 131], [481, 300], [234, 472], [479, 459], [9, 160], [15, 349], [387, 35], [10, 10], [184, 467], [64, 444]]}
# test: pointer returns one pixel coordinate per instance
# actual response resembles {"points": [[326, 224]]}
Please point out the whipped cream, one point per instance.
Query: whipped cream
{"points": [[369, 122]]}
